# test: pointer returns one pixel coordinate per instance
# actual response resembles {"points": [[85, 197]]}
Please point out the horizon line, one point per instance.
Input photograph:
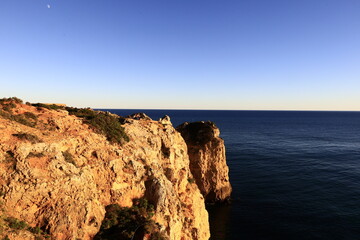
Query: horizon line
{"points": [[264, 110]]}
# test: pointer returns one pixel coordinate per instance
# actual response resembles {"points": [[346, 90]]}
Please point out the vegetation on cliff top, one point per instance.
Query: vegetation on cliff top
{"points": [[20, 118], [10, 100], [48, 106], [101, 122], [6, 111], [129, 223]]}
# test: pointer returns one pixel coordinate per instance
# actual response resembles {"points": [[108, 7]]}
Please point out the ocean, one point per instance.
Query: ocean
{"points": [[295, 174]]}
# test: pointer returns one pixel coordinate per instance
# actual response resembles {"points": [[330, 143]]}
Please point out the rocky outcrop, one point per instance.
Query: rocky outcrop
{"points": [[61, 174], [138, 116], [207, 160], [165, 120]]}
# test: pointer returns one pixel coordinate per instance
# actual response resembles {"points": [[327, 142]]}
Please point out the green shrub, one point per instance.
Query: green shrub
{"points": [[8, 107], [6, 238], [35, 230], [30, 115], [48, 106], [16, 223], [39, 233], [7, 104], [11, 99], [28, 137], [101, 122], [20, 118], [125, 223], [24, 121]]}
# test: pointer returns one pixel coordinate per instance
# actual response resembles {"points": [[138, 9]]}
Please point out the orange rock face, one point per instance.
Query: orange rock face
{"points": [[62, 179], [207, 160]]}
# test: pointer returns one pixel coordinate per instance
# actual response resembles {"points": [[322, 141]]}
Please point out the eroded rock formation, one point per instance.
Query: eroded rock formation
{"points": [[61, 174], [207, 160]]}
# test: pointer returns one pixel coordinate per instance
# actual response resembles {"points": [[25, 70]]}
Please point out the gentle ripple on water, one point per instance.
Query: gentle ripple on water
{"points": [[295, 175]]}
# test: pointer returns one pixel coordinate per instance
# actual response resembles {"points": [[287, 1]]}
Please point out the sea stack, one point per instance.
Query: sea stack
{"points": [[206, 152]]}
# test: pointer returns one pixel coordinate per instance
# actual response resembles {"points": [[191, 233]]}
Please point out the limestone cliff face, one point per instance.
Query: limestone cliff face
{"points": [[207, 160], [63, 179]]}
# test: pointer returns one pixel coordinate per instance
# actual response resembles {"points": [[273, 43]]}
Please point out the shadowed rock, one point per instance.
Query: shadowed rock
{"points": [[207, 160], [165, 120], [138, 116]]}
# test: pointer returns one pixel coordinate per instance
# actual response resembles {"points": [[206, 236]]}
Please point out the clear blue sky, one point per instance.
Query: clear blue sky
{"points": [[182, 54]]}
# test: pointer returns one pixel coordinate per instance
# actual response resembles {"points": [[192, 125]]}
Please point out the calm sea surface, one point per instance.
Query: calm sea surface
{"points": [[295, 175]]}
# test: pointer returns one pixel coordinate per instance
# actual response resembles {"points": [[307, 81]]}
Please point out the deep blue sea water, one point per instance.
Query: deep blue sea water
{"points": [[295, 174]]}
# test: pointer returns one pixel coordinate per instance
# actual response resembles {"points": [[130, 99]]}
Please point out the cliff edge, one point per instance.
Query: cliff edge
{"points": [[61, 169]]}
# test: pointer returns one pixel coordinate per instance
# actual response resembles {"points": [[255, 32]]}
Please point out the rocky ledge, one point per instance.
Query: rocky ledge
{"points": [[63, 170]]}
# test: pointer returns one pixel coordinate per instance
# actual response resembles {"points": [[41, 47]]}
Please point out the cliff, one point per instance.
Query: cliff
{"points": [[60, 169], [207, 160]]}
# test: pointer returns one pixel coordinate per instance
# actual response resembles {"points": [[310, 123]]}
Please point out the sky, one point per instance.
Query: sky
{"points": [[182, 54]]}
